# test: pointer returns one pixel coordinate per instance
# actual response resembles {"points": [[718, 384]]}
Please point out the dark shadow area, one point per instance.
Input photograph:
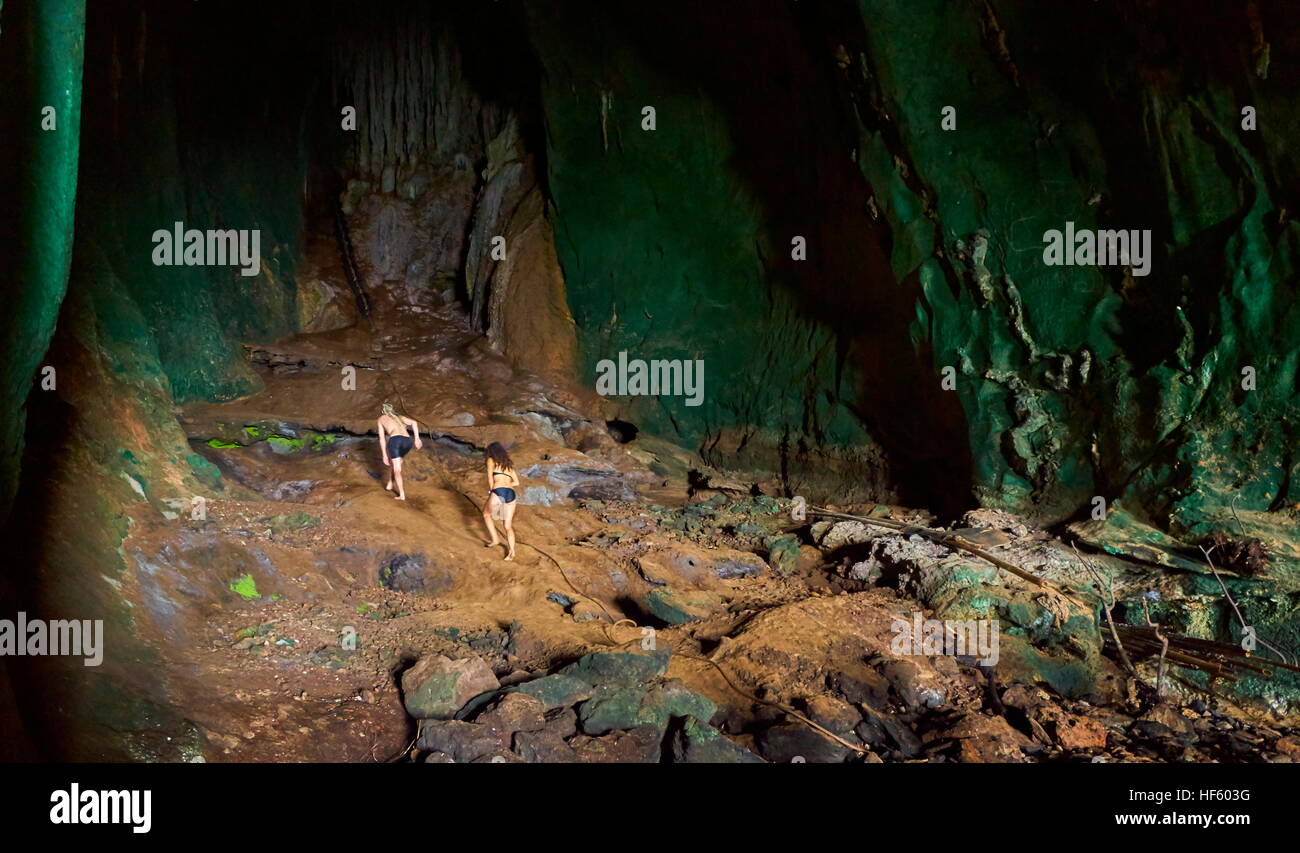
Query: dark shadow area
{"points": [[622, 431], [52, 427]]}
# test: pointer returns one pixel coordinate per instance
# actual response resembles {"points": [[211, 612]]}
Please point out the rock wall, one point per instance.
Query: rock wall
{"points": [[40, 67], [176, 140], [1082, 381], [925, 245]]}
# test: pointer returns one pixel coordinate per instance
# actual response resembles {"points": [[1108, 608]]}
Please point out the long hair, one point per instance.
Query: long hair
{"points": [[498, 454], [388, 409]]}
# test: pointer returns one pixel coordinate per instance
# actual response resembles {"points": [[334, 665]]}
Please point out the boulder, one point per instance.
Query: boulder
{"points": [[699, 743], [916, 686], [513, 712], [543, 747], [548, 746], [677, 607], [463, 742], [435, 688], [638, 745], [612, 708], [795, 741], [985, 739], [782, 553], [556, 691], [625, 668]]}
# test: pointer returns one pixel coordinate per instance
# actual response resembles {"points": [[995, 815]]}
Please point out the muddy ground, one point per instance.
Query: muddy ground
{"points": [[311, 592]]}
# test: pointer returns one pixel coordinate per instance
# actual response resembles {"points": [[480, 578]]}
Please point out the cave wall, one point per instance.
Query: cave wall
{"points": [[1082, 381], [198, 139], [169, 133], [40, 66], [675, 243], [925, 245], [41, 55]]}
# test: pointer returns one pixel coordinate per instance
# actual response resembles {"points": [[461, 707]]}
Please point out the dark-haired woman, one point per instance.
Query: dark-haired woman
{"points": [[502, 482]]}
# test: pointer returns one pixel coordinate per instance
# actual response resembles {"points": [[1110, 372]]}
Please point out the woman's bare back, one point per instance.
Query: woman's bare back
{"points": [[392, 425]]}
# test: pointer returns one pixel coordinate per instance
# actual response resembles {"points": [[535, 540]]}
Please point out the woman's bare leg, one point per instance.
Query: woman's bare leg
{"points": [[492, 501], [389, 466], [508, 514], [397, 478]]}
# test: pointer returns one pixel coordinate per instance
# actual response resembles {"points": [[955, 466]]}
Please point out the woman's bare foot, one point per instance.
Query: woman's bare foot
{"points": [[401, 497], [509, 557], [389, 487]]}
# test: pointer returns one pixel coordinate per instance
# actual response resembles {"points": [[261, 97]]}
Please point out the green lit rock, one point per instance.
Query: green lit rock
{"points": [[1020, 661], [700, 743], [435, 688], [619, 668], [612, 707], [782, 553], [677, 607], [556, 691]]}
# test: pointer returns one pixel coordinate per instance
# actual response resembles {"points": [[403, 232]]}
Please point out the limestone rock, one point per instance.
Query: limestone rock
{"points": [[435, 688]]}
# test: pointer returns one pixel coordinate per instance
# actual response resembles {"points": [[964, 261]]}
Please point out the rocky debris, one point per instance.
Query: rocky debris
{"points": [[435, 688], [981, 738], [604, 707], [637, 745], [917, 688], [699, 743], [514, 712], [832, 652], [556, 691], [622, 668], [612, 708], [795, 741], [782, 553]]}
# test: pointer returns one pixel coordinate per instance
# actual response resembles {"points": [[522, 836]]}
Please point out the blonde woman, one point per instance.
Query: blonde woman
{"points": [[502, 482], [394, 443]]}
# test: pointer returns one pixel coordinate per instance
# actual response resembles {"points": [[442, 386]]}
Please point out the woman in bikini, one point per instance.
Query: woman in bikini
{"points": [[502, 482], [395, 443]]}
